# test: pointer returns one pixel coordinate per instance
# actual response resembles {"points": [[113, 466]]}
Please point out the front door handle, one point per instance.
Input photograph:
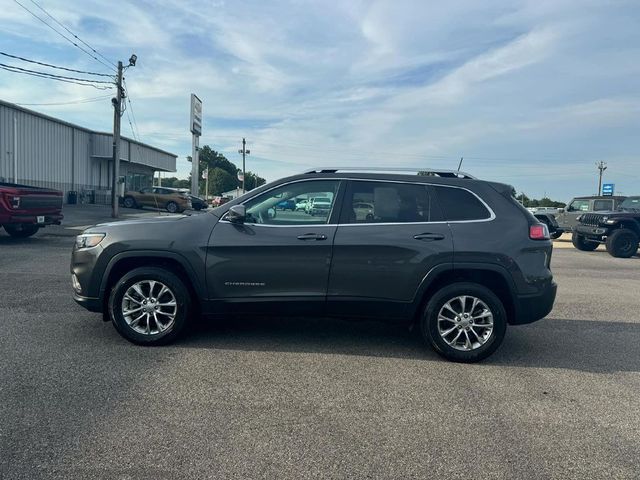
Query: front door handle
{"points": [[312, 236], [429, 237]]}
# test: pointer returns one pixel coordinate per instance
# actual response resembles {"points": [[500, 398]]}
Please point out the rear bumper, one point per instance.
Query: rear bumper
{"points": [[90, 303], [531, 308], [49, 219]]}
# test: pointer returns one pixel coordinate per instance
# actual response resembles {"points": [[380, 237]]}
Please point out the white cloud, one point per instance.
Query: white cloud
{"points": [[515, 87]]}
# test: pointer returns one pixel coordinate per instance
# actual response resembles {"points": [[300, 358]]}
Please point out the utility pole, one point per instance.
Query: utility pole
{"points": [[206, 184], [602, 166], [117, 115], [244, 152]]}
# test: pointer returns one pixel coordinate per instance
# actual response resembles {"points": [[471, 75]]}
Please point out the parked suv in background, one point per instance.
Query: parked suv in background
{"points": [[173, 200], [458, 257], [567, 217], [619, 230]]}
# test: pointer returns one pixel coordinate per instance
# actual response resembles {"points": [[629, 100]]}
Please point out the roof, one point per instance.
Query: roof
{"points": [[78, 127], [388, 176], [600, 197]]}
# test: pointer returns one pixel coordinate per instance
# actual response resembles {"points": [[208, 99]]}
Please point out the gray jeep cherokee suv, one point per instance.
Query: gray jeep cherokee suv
{"points": [[458, 257]]}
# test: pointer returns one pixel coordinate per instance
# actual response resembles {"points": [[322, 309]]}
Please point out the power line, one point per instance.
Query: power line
{"points": [[53, 75], [131, 107], [86, 83], [74, 35], [63, 35], [72, 102], [55, 66]]}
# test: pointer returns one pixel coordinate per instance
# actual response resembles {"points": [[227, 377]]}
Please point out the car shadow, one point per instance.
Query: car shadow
{"points": [[584, 345]]}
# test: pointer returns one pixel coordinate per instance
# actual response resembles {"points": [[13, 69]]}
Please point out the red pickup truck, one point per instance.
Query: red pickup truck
{"points": [[24, 210]]}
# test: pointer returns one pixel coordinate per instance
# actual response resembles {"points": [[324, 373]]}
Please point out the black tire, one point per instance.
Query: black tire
{"points": [[429, 322], [129, 202], [622, 243], [581, 243], [555, 235], [20, 230], [172, 207], [177, 289]]}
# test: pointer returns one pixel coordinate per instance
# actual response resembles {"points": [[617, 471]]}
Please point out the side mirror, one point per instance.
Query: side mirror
{"points": [[237, 214]]}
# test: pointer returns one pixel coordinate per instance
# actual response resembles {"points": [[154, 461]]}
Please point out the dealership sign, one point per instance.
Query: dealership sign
{"points": [[607, 188], [196, 115]]}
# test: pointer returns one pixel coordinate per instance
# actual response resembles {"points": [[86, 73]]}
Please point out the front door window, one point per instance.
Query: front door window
{"points": [[318, 196]]}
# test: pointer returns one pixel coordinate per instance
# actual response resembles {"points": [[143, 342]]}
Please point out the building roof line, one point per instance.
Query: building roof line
{"points": [[78, 127]]}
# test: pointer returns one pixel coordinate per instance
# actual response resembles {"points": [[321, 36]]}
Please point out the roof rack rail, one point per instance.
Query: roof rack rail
{"points": [[415, 170]]}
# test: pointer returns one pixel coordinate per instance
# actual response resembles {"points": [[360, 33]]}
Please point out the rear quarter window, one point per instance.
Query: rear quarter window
{"points": [[458, 204]]}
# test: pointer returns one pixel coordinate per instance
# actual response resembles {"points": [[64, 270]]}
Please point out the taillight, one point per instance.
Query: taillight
{"points": [[14, 201], [539, 231]]}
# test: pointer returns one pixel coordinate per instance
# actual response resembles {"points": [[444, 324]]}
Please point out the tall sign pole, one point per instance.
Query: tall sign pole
{"points": [[196, 131], [117, 114], [602, 166]]}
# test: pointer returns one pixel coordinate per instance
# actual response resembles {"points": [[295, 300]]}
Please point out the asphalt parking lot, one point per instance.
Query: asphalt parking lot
{"points": [[302, 398]]}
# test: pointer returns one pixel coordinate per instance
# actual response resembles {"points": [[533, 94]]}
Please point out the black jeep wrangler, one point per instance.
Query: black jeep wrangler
{"points": [[619, 230]]}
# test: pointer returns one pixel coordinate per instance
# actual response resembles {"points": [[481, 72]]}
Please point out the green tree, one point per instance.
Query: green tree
{"points": [[221, 181], [252, 181]]}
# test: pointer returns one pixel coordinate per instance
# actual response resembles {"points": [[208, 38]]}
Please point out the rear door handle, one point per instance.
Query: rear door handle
{"points": [[429, 237], [312, 236]]}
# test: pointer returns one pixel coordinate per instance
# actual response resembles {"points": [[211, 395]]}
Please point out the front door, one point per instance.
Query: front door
{"points": [[275, 255], [568, 219], [390, 236]]}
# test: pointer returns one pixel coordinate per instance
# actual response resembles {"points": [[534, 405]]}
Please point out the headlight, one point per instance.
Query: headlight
{"points": [[604, 219], [579, 217], [88, 240]]}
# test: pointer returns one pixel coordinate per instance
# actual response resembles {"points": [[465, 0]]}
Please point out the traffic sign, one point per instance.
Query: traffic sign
{"points": [[608, 188]]}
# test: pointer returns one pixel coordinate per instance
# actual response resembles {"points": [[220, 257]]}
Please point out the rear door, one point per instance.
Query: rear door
{"points": [[275, 255], [381, 256], [603, 205]]}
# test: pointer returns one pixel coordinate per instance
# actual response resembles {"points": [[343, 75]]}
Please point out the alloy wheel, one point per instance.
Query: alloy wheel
{"points": [[465, 323], [149, 307]]}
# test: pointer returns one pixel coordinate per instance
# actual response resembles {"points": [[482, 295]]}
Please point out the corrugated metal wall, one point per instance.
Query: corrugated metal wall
{"points": [[102, 146], [58, 155]]}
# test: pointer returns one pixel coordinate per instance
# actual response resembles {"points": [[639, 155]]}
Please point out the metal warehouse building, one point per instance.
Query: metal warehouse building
{"points": [[42, 151]]}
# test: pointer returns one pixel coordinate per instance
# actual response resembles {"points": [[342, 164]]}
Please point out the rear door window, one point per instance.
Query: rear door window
{"points": [[602, 205], [388, 202], [460, 205]]}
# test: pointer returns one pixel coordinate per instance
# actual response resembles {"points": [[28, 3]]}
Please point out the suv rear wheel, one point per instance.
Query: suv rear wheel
{"points": [[464, 322], [149, 306], [622, 243], [581, 243]]}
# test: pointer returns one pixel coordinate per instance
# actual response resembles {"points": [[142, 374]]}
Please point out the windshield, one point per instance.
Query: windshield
{"points": [[631, 204]]}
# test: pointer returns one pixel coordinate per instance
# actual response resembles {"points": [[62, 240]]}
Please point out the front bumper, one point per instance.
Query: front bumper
{"points": [[591, 231], [531, 308], [90, 303]]}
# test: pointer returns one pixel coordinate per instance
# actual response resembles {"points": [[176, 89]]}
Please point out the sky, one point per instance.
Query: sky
{"points": [[530, 93]]}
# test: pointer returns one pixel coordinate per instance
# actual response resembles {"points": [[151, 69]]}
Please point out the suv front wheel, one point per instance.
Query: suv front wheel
{"points": [[464, 322], [149, 306], [581, 243]]}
